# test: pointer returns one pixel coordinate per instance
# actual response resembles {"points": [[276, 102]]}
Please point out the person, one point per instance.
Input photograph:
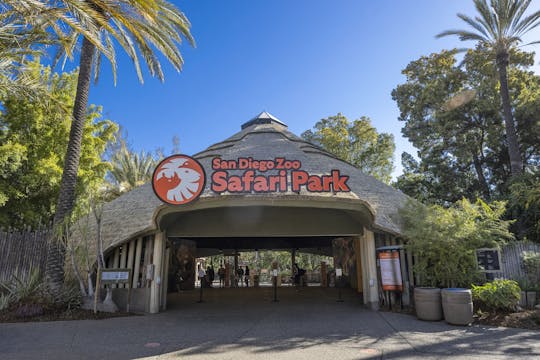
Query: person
{"points": [[201, 275], [240, 273], [211, 275], [296, 273], [221, 275], [246, 276]]}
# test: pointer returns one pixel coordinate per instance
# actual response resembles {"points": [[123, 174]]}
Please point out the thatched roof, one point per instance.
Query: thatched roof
{"points": [[264, 137]]}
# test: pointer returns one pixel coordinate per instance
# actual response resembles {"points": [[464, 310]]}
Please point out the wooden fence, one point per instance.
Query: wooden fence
{"points": [[22, 251], [512, 259]]}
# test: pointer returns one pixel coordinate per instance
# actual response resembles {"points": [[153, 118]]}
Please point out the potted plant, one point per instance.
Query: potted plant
{"points": [[443, 242]]}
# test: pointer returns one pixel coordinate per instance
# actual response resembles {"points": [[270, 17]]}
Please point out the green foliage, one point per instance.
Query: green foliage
{"points": [[264, 259], [444, 240], [531, 263], [357, 143], [130, 169], [5, 301], [497, 295], [19, 293], [33, 140], [498, 27], [452, 115], [31, 290], [524, 203]]}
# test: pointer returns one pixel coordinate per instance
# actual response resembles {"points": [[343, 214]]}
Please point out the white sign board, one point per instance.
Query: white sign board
{"points": [[115, 276], [339, 272], [274, 272]]}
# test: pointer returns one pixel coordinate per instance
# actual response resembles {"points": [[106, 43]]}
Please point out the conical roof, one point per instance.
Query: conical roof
{"points": [[263, 137]]}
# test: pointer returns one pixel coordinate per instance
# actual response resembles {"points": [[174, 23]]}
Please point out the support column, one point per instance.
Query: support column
{"points": [[236, 280], [357, 241], [123, 261], [369, 273], [137, 265], [157, 262]]}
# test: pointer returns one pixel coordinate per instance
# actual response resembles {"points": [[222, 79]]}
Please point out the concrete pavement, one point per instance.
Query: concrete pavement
{"points": [[240, 324]]}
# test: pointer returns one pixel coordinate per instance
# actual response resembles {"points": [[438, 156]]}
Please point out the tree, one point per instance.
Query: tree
{"points": [[444, 240], [28, 26], [33, 138], [451, 114], [130, 169], [357, 143], [139, 27], [500, 26]]}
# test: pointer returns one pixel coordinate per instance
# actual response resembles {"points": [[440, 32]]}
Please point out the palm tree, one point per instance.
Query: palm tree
{"points": [[499, 26], [141, 28], [130, 169]]}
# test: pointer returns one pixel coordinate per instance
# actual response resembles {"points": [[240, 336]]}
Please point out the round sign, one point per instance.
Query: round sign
{"points": [[178, 179]]}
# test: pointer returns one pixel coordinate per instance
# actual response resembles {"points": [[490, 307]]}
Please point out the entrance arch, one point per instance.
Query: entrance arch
{"points": [[279, 223]]}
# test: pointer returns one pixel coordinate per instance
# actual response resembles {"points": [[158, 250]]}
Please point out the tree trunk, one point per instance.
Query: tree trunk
{"points": [[516, 164], [56, 253], [481, 178]]}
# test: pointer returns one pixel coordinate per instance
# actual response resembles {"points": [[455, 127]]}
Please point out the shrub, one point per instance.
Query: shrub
{"points": [[531, 263], [444, 240], [497, 295]]}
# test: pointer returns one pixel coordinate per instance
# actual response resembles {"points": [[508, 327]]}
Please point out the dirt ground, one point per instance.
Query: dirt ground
{"points": [[58, 315], [527, 319]]}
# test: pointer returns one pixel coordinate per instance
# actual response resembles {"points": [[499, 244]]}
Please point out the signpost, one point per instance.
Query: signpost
{"points": [[114, 276], [390, 271], [339, 274], [488, 260], [274, 276], [390, 268]]}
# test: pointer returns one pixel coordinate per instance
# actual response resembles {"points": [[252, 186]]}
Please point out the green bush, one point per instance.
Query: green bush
{"points": [[444, 240], [497, 295], [531, 263]]}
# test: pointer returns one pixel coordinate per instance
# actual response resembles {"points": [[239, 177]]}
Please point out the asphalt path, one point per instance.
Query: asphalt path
{"points": [[240, 324]]}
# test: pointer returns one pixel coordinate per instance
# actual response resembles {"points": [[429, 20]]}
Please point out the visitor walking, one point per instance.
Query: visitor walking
{"points": [[246, 276], [221, 275]]}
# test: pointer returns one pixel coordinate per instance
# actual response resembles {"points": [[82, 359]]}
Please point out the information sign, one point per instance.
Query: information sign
{"points": [[488, 260], [390, 271]]}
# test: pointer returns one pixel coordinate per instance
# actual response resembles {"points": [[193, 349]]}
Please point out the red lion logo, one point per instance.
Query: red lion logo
{"points": [[178, 179]]}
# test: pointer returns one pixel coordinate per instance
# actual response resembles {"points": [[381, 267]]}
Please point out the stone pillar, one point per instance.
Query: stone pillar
{"points": [[369, 273], [157, 262]]}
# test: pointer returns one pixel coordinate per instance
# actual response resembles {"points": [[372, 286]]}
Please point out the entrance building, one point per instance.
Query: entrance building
{"points": [[262, 188]]}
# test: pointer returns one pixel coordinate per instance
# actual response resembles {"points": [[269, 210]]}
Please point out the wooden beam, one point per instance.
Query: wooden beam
{"points": [[137, 265], [131, 255], [157, 262]]}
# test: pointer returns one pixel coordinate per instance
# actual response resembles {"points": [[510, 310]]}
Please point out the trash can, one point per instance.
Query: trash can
{"points": [[427, 302], [457, 306]]}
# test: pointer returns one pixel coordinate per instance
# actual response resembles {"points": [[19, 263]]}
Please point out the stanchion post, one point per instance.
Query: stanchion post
{"points": [[200, 295], [275, 273], [339, 273]]}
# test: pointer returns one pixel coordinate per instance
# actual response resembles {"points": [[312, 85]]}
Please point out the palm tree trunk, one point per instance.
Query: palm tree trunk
{"points": [[56, 253], [516, 164]]}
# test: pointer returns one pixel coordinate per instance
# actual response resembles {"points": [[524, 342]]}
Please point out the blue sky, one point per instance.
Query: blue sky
{"points": [[299, 60]]}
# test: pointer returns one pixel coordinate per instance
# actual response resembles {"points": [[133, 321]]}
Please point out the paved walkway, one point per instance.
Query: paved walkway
{"points": [[245, 324]]}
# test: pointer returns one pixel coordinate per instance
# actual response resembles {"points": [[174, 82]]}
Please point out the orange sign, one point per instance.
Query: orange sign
{"points": [[287, 174], [178, 179], [390, 271]]}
